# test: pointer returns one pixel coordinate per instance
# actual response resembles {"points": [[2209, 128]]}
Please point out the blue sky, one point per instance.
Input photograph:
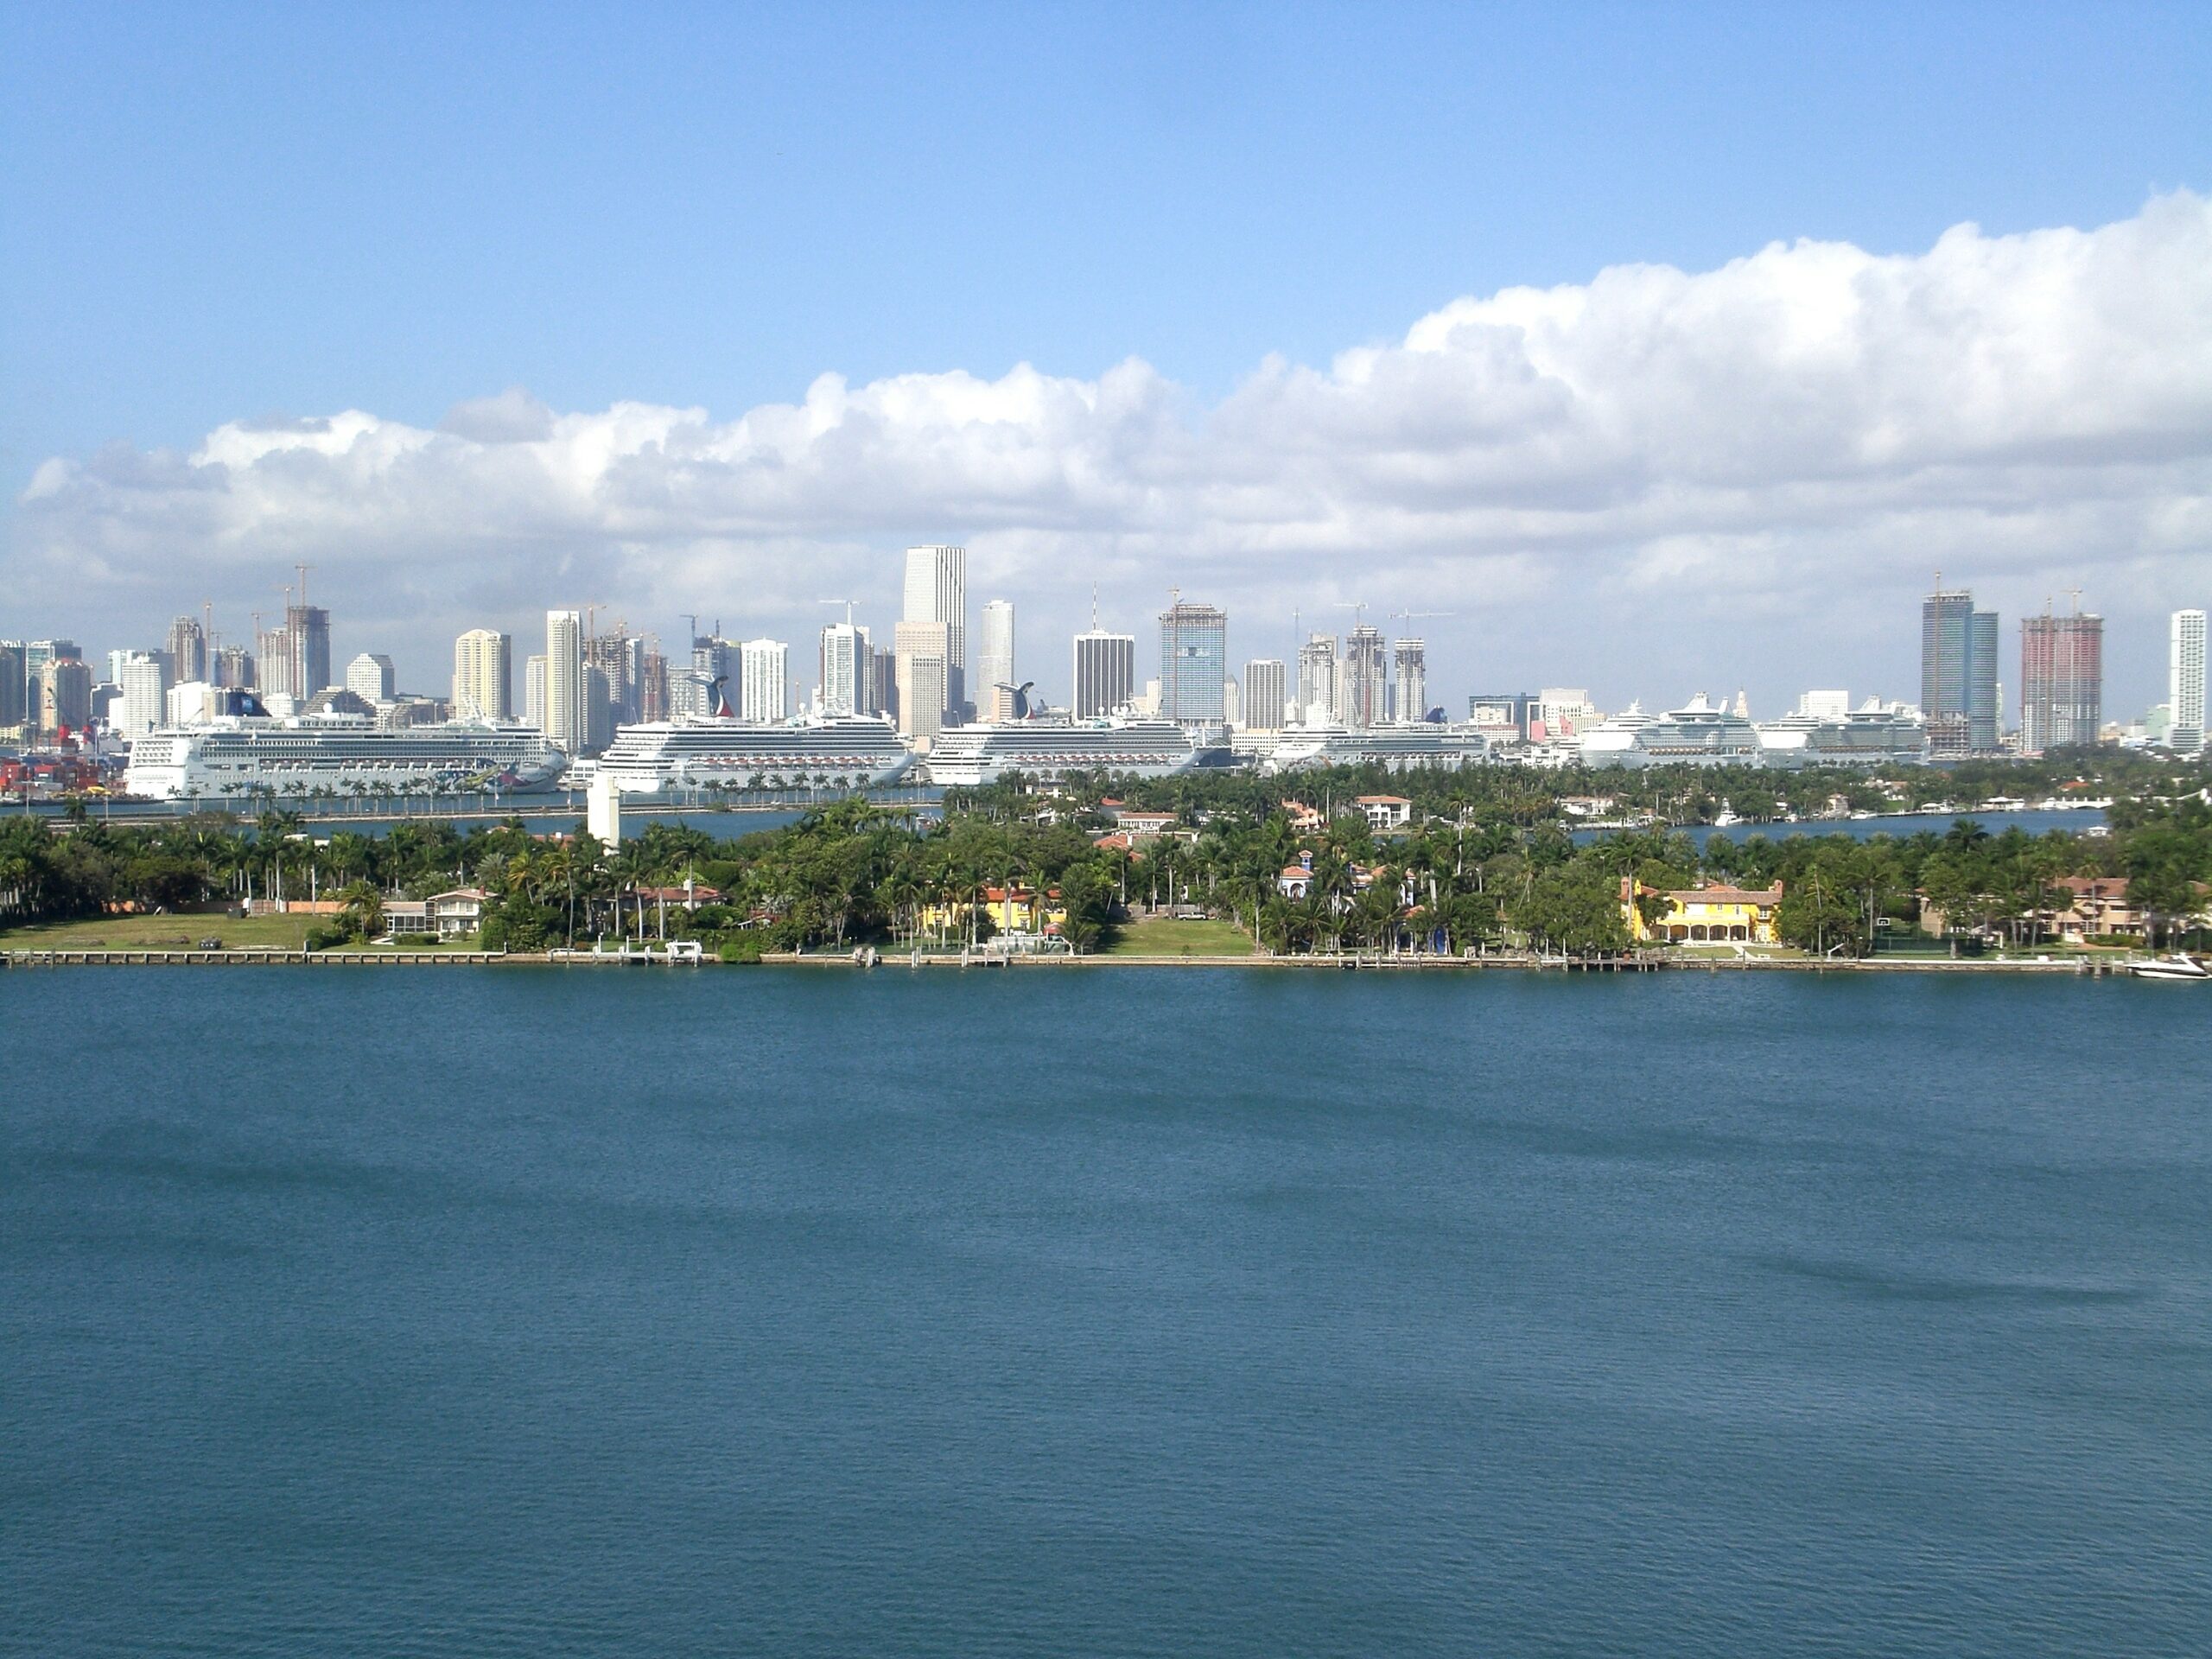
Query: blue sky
{"points": [[217, 214]]}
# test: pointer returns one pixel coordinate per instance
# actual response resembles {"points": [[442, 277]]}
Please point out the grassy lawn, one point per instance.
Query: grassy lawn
{"points": [[160, 933], [1159, 936]]}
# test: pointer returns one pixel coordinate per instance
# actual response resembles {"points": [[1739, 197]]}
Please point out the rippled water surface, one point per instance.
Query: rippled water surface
{"points": [[533, 1311]]}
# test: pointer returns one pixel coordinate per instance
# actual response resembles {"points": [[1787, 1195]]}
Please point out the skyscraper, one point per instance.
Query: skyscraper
{"points": [[937, 591], [483, 676], [1958, 674], [308, 628], [1316, 677], [924, 673], [2062, 680], [188, 648], [1264, 695], [1365, 688], [370, 676], [766, 679], [2185, 682], [15, 683], [847, 670], [1193, 661], [1411, 694], [995, 679], [566, 715], [1105, 672], [143, 679], [533, 692]]}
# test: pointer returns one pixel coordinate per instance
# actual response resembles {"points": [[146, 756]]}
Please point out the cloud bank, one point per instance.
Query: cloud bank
{"points": [[1641, 468]]}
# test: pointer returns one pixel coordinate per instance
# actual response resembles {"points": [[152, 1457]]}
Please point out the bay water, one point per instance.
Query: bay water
{"points": [[1118, 1311]]}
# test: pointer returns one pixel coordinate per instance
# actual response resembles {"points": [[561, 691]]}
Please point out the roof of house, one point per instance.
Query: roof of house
{"points": [[1725, 894]]}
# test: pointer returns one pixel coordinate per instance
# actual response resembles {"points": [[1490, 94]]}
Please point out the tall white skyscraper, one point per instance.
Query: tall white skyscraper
{"points": [[483, 676], [995, 661], [533, 692], [2185, 682], [848, 668], [1105, 672], [937, 591], [370, 676], [565, 710], [764, 680], [1264, 695], [1317, 679], [1410, 694], [923, 657], [142, 678]]}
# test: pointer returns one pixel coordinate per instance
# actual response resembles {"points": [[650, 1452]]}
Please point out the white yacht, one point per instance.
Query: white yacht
{"points": [[238, 757], [849, 751], [969, 756]]}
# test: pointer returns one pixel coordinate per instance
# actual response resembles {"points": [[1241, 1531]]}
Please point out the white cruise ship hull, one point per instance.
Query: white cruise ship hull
{"points": [[661, 757], [246, 759], [969, 757]]}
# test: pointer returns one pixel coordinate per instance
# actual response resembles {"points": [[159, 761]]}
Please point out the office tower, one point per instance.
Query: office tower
{"points": [[1317, 679], [1105, 672], [566, 711], [483, 676], [188, 648], [994, 681], [1193, 661], [1363, 704], [2185, 682], [65, 691], [847, 670], [1411, 692], [232, 666], [652, 683], [369, 677], [278, 662], [1958, 674], [142, 680], [883, 681], [1824, 705], [533, 692], [937, 591], [599, 707], [1264, 695], [308, 628], [765, 679], [925, 671], [2062, 681], [15, 681]]}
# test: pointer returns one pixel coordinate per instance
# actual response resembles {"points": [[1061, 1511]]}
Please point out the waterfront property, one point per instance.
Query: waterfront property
{"points": [[1714, 914]]}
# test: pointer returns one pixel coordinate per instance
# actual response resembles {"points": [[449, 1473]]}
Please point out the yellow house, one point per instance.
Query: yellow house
{"points": [[1704, 915], [1012, 910]]}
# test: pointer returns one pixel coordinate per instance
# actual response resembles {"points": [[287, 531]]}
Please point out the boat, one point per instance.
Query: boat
{"points": [[2177, 966], [1414, 745], [838, 751], [1699, 733], [242, 757], [968, 757]]}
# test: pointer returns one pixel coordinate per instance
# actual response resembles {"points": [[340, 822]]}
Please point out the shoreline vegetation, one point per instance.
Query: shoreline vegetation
{"points": [[1338, 868]]}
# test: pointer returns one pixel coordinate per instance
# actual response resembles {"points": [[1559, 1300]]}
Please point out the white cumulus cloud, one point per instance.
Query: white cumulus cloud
{"points": [[1653, 480]]}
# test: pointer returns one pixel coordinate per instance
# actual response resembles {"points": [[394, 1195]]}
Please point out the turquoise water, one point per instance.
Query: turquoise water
{"points": [[1901, 825], [533, 1311]]}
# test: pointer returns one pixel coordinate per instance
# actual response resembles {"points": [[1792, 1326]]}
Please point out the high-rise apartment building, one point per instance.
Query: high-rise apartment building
{"points": [[308, 629], [765, 680], [1105, 672], [1193, 662], [39, 655], [994, 681], [1409, 696], [2185, 682], [883, 681], [847, 670], [142, 682], [188, 648], [232, 667], [925, 670], [370, 676], [1317, 679], [64, 694], [1366, 687], [567, 710], [2062, 681], [483, 676], [937, 591], [533, 692], [1958, 674], [1264, 693], [14, 684]]}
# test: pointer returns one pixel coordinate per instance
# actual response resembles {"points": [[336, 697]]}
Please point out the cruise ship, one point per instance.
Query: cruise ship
{"points": [[967, 756], [238, 757], [1413, 746], [1876, 734], [852, 751], [1701, 732]]}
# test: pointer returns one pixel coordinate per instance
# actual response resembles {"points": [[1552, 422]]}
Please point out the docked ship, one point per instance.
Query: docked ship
{"points": [[1413, 746], [1701, 732], [241, 757], [661, 756], [1876, 734], [967, 756]]}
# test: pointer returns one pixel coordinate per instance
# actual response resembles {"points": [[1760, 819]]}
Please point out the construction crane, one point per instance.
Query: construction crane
{"points": [[1415, 616], [846, 603], [1357, 606]]}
